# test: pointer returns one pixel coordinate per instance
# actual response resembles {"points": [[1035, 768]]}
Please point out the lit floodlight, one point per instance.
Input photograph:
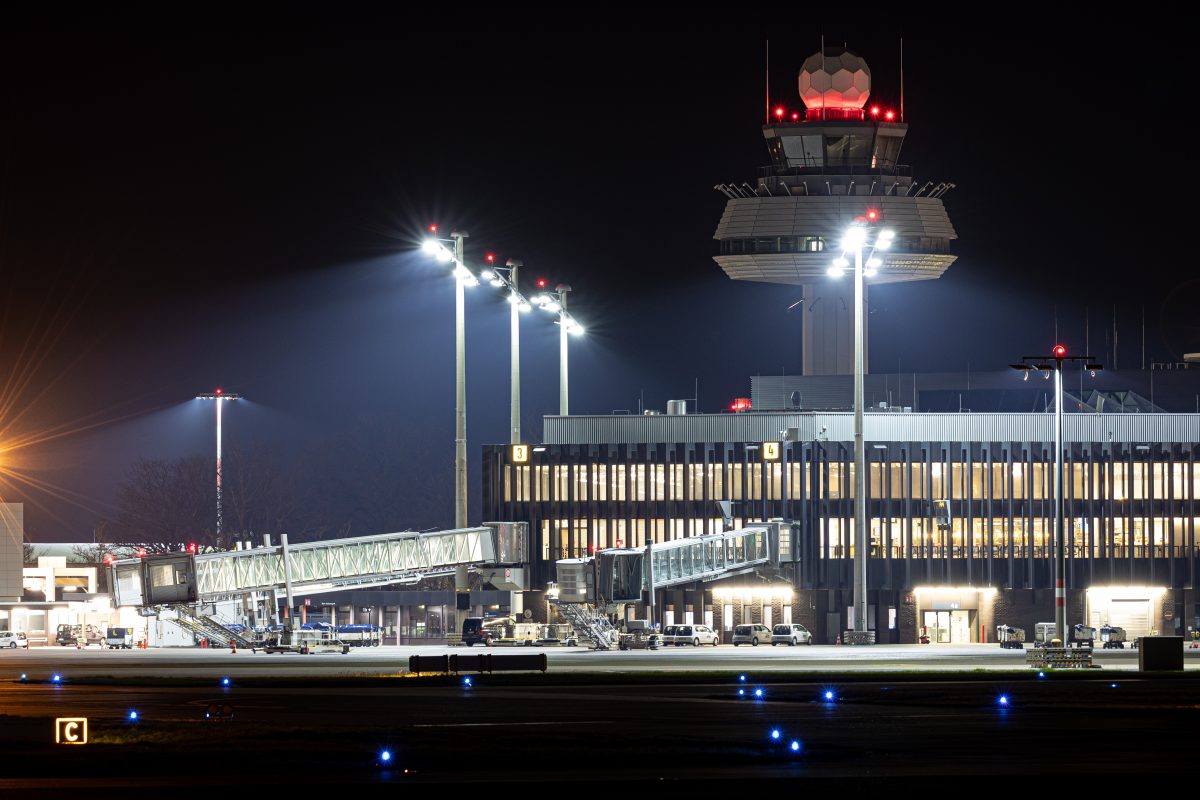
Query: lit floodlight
{"points": [[874, 263], [552, 306], [835, 272], [432, 247], [841, 262], [883, 244], [887, 235], [575, 329], [497, 282], [524, 307], [486, 275], [854, 238]]}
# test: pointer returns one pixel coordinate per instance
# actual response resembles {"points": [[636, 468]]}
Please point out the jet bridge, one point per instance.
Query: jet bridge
{"points": [[314, 567], [623, 574]]}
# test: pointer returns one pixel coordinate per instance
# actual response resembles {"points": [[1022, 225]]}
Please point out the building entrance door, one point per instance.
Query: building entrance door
{"points": [[960, 626], [948, 627], [937, 626]]}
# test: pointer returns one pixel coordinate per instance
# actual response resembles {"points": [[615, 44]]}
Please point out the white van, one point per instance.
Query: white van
{"points": [[11, 640]]}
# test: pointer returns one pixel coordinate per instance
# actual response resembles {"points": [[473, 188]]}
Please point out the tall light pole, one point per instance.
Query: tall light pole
{"points": [[1045, 364], [219, 396], [856, 240], [462, 278], [556, 302], [506, 277]]}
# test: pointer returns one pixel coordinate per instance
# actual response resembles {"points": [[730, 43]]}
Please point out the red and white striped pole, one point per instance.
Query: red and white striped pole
{"points": [[1060, 539]]}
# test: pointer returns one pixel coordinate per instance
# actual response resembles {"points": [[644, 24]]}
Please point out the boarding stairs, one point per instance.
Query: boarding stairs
{"points": [[219, 633], [588, 623]]}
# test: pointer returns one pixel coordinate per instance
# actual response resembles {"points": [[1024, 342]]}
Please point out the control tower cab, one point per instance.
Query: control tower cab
{"points": [[835, 162]]}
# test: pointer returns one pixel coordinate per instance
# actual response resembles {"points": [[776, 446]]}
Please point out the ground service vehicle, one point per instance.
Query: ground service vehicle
{"points": [[668, 634], [1044, 633], [1010, 637], [1113, 637], [790, 634], [304, 641], [638, 635], [477, 630], [119, 639], [1083, 635], [751, 635]]}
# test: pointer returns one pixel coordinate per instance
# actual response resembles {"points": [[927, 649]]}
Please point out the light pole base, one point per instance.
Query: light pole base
{"points": [[859, 637]]}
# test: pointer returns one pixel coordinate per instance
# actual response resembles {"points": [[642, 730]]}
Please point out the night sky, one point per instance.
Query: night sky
{"points": [[182, 211]]}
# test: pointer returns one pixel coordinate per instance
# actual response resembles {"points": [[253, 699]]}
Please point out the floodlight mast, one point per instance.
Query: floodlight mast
{"points": [[219, 395], [1054, 362]]}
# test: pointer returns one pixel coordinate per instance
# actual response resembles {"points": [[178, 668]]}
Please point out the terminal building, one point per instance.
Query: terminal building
{"points": [[1132, 483]]}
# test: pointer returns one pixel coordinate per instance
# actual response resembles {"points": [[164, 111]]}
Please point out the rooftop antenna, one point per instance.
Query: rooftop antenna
{"points": [[767, 84], [902, 79]]}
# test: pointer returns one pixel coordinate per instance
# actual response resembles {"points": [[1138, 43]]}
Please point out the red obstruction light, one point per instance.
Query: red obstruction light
{"points": [[740, 404], [490, 258], [191, 547], [1059, 351], [795, 116], [218, 391], [872, 214], [890, 115], [875, 111], [779, 112], [433, 228], [141, 552], [541, 283]]}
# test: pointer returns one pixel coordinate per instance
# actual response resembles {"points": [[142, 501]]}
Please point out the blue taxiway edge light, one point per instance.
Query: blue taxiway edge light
{"points": [[775, 734], [133, 716], [224, 681], [385, 756], [758, 693], [1003, 700], [794, 746]]}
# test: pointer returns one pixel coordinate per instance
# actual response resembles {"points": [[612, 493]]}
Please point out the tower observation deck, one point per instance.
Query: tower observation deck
{"points": [[829, 166]]}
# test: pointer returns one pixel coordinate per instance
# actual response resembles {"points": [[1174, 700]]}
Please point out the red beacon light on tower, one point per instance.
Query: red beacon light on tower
{"points": [[490, 258], [191, 548], [875, 111], [1060, 351], [541, 283], [433, 228], [890, 115], [872, 215], [779, 112], [795, 116]]}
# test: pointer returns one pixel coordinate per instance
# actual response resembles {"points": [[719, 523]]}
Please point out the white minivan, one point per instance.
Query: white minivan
{"points": [[694, 635], [11, 640], [790, 634]]}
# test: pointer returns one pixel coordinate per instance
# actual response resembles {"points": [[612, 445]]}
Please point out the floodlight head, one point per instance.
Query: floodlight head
{"points": [[887, 234], [835, 272], [552, 306], [496, 281], [854, 238], [841, 262], [524, 307], [575, 329], [486, 274], [431, 246], [870, 272], [883, 244], [874, 263]]}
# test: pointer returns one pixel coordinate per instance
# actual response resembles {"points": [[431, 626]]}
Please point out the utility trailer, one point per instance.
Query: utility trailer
{"points": [[1113, 637], [304, 641], [1010, 637]]}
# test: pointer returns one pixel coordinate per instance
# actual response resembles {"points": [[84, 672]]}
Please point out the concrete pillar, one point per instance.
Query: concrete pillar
{"points": [[461, 587], [516, 605]]}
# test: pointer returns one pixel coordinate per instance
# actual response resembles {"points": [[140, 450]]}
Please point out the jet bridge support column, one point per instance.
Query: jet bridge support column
{"points": [[462, 598]]}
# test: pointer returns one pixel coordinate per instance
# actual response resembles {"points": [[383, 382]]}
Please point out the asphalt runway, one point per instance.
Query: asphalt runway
{"points": [[40, 663], [903, 735]]}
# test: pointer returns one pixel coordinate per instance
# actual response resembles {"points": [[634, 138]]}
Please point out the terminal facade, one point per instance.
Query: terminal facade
{"points": [[1131, 487]]}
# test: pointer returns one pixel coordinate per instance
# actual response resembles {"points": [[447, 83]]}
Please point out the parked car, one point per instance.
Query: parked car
{"points": [[694, 635], [668, 634], [751, 635], [11, 640], [790, 634]]}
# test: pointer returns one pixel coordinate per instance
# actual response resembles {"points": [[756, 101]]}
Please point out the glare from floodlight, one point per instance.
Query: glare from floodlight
{"points": [[835, 272], [854, 238], [874, 263]]}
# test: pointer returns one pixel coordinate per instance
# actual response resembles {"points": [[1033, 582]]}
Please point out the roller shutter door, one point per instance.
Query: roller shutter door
{"points": [[1132, 615]]}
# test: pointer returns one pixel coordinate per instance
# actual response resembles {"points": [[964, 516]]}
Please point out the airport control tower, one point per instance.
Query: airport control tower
{"points": [[836, 161]]}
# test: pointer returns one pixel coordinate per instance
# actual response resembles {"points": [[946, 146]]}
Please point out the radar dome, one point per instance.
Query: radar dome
{"points": [[835, 79]]}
